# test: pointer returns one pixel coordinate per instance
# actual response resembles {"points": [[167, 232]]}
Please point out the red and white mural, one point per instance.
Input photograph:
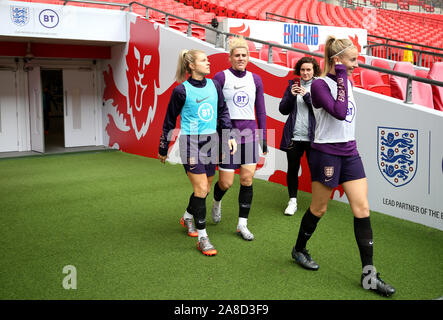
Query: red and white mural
{"points": [[135, 124]]}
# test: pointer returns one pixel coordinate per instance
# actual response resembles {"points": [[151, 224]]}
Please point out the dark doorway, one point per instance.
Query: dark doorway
{"points": [[52, 94]]}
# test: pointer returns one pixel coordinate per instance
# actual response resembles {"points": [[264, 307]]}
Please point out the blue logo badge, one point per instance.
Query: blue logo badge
{"points": [[397, 151], [48, 18], [20, 15]]}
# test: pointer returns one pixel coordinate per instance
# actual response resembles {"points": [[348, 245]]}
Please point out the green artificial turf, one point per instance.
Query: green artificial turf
{"points": [[115, 218]]}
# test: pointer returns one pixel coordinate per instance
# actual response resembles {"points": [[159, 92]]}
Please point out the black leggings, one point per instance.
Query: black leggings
{"points": [[294, 154]]}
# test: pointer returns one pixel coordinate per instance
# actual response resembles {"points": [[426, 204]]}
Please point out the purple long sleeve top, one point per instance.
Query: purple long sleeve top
{"points": [[322, 98], [260, 109], [175, 106]]}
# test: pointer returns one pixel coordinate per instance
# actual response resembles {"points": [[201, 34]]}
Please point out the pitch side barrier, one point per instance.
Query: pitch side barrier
{"points": [[410, 78], [422, 61], [222, 39], [122, 6], [384, 6]]}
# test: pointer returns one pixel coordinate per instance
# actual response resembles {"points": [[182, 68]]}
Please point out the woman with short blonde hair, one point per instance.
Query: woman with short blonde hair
{"points": [[244, 95]]}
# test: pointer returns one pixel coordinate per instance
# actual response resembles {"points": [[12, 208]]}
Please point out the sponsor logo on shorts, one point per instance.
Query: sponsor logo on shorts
{"points": [[192, 161]]}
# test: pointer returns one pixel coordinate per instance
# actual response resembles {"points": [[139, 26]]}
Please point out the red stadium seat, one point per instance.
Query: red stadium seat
{"points": [[264, 53], [241, 15], [356, 77], [199, 32], [205, 5], [398, 84], [318, 58], [212, 7], [371, 80], [253, 52], [274, 49], [299, 45], [436, 73], [422, 94], [230, 11], [252, 14], [251, 46], [221, 9], [197, 4], [382, 64], [292, 57], [421, 73]]}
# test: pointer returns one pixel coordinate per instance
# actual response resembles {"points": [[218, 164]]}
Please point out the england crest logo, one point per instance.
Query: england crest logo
{"points": [[20, 15], [397, 151]]}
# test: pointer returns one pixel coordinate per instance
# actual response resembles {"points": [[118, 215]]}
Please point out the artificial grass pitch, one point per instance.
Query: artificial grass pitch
{"points": [[114, 217]]}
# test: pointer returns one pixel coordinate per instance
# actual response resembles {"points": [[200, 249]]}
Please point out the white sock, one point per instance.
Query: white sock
{"points": [[187, 215], [294, 200], [201, 233], [242, 222]]}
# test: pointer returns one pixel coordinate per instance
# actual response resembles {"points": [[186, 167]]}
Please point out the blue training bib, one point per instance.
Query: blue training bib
{"points": [[199, 114]]}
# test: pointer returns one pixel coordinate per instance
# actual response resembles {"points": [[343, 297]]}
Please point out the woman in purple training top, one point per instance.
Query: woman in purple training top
{"points": [[243, 92], [334, 160], [200, 103]]}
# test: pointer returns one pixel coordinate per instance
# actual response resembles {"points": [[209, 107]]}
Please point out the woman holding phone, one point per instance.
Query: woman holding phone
{"points": [[298, 132]]}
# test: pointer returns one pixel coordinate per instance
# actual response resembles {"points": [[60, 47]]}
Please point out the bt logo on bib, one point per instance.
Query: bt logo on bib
{"points": [[240, 99], [350, 113], [206, 112]]}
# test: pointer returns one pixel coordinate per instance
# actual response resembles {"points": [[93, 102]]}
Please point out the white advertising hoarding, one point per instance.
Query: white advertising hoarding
{"points": [[289, 33], [402, 153], [37, 20]]}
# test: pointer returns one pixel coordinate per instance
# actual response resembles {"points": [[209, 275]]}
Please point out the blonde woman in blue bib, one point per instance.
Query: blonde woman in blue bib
{"points": [[200, 103]]}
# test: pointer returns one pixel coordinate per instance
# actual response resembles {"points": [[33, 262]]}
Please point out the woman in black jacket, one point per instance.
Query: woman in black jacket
{"points": [[299, 128]]}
